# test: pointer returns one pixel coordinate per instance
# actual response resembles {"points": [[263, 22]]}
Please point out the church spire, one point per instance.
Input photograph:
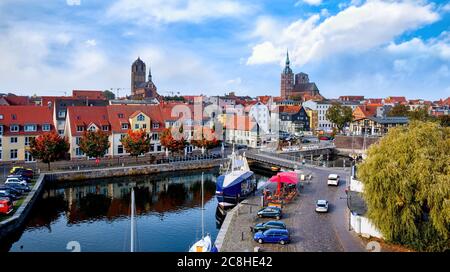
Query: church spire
{"points": [[149, 73], [287, 58]]}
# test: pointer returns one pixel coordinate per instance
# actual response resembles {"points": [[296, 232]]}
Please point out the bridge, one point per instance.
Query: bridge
{"points": [[311, 155]]}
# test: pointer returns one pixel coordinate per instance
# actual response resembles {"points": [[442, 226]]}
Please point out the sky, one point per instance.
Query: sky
{"points": [[375, 48]]}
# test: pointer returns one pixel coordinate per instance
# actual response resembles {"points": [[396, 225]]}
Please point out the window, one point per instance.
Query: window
{"points": [[13, 140], [136, 126], [120, 115], [155, 125], [92, 128], [1, 130], [28, 140], [122, 136], [61, 132], [13, 154], [77, 140], [29, 157], [141, 117], [120, 149], [80, 128], [46, 127], [155, 137], [144, 126], [105, 128], [30, 128], [1, 116], [62, 114], [79, 152], [1, 154], [124, 126], [14, 128], [0, 142]]}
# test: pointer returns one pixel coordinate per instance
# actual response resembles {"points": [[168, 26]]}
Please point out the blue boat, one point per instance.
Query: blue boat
{"points": [[237, 183]]}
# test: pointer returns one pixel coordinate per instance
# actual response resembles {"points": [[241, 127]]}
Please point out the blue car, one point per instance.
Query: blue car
{"points": [[273, 236]]}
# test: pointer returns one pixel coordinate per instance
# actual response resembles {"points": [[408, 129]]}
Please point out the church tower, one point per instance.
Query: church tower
{"points": [[287, 80], [138, 71]]}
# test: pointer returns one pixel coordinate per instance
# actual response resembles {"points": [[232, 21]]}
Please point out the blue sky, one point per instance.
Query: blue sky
{"points": [[374, 48]]}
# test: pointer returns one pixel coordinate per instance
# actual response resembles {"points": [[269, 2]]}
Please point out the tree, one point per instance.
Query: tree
{"points": [[444, 120], [420, 114], [399, 110], [49, 147], [136, 142], [94, 143], [406, 179], [109, 95], [339, 115], [174, 144], [205, 138]]}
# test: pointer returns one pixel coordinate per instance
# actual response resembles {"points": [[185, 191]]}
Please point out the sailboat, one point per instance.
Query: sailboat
{"points": [[133, 228], [204, 244]]}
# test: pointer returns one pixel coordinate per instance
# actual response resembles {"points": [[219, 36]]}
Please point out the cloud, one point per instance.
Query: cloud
{"points": [[309, 2], [172, 11], [434, 47], [91, 43], [354, 29], [73, 2]]}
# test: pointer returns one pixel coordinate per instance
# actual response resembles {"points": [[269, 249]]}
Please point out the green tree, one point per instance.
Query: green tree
{"points": [[420, 114], [339, 115], [399, 110], [444, 120], [406, 179], [94, 143], [109, 95], [49, 147]]}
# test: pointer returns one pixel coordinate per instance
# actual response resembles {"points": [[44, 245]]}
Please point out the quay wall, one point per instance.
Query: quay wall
{"points": [[17, 220]]}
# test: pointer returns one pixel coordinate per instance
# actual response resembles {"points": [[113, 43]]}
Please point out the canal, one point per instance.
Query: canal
{"points": [[96, 214]]}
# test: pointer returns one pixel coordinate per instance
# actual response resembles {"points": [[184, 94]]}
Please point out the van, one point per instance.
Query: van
{"points": [[333, 179]]}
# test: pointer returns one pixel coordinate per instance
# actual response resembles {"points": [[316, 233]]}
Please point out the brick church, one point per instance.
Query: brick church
{"points": [[297, 86], [140, 88]]}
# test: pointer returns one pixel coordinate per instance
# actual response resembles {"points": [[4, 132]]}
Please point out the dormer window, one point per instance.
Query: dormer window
{"points": [[141, 117], [124, 126], [105, 128], [120, 115], [13, 116], [30, 128], [155, 125], [80, 128], [46, 127], [14, 128], [92, 128]]}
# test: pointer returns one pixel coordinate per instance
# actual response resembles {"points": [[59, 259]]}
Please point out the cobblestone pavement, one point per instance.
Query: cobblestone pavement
{"points": [[310, 231]]}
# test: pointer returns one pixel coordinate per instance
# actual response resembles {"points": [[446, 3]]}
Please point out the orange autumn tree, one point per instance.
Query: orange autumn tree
{"points": [[174, 144], [205, 137], [49, 147], [94, 143], [136, 142]]}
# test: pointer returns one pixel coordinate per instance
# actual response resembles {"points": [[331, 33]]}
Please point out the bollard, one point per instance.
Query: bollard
{"points": [[242, 236]]}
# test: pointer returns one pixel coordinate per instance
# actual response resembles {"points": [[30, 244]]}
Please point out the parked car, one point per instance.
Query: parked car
{"points": [[273, 236], [18, 186], [24, 173], [11, 190], [269, 225], [17, 168], [10, 196], [19, 177], [322, 206], [333, 179], [273, 212], [15, 180], [6, 206]]}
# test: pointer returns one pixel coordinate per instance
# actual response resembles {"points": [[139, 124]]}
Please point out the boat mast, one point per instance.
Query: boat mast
{"points": [[203, 227], [132, 220]]}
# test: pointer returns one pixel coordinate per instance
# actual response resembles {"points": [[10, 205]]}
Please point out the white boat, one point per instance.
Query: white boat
{"points": [[205, 243]]}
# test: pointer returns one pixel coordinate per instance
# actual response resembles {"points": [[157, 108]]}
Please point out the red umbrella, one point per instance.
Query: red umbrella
{"points": [[284, 177]]}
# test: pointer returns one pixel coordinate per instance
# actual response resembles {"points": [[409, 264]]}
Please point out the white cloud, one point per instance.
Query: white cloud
{"points": [[434, 47], [357, 28], [309, 2], [73, 2], [324, 13], [91, 43], [171, 11]]}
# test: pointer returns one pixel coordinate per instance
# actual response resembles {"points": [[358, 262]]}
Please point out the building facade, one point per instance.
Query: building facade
{"points": [[140, 88]]}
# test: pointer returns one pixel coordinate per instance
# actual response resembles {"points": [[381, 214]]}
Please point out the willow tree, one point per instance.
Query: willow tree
{"points": [[406, 180]]}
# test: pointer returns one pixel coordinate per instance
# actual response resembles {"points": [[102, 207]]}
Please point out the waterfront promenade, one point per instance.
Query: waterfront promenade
{"points": [[309, 230]]}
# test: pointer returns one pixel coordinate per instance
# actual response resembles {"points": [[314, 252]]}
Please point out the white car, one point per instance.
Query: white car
{"points": [[322, 206], [333, 179], [16, 181]]}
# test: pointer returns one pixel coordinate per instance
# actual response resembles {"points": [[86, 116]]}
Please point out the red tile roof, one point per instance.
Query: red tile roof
{"points": [[395, 99], [14, 100], [90, 94], [85, 116], [290, 109], [25, 115], [153, 111]]}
